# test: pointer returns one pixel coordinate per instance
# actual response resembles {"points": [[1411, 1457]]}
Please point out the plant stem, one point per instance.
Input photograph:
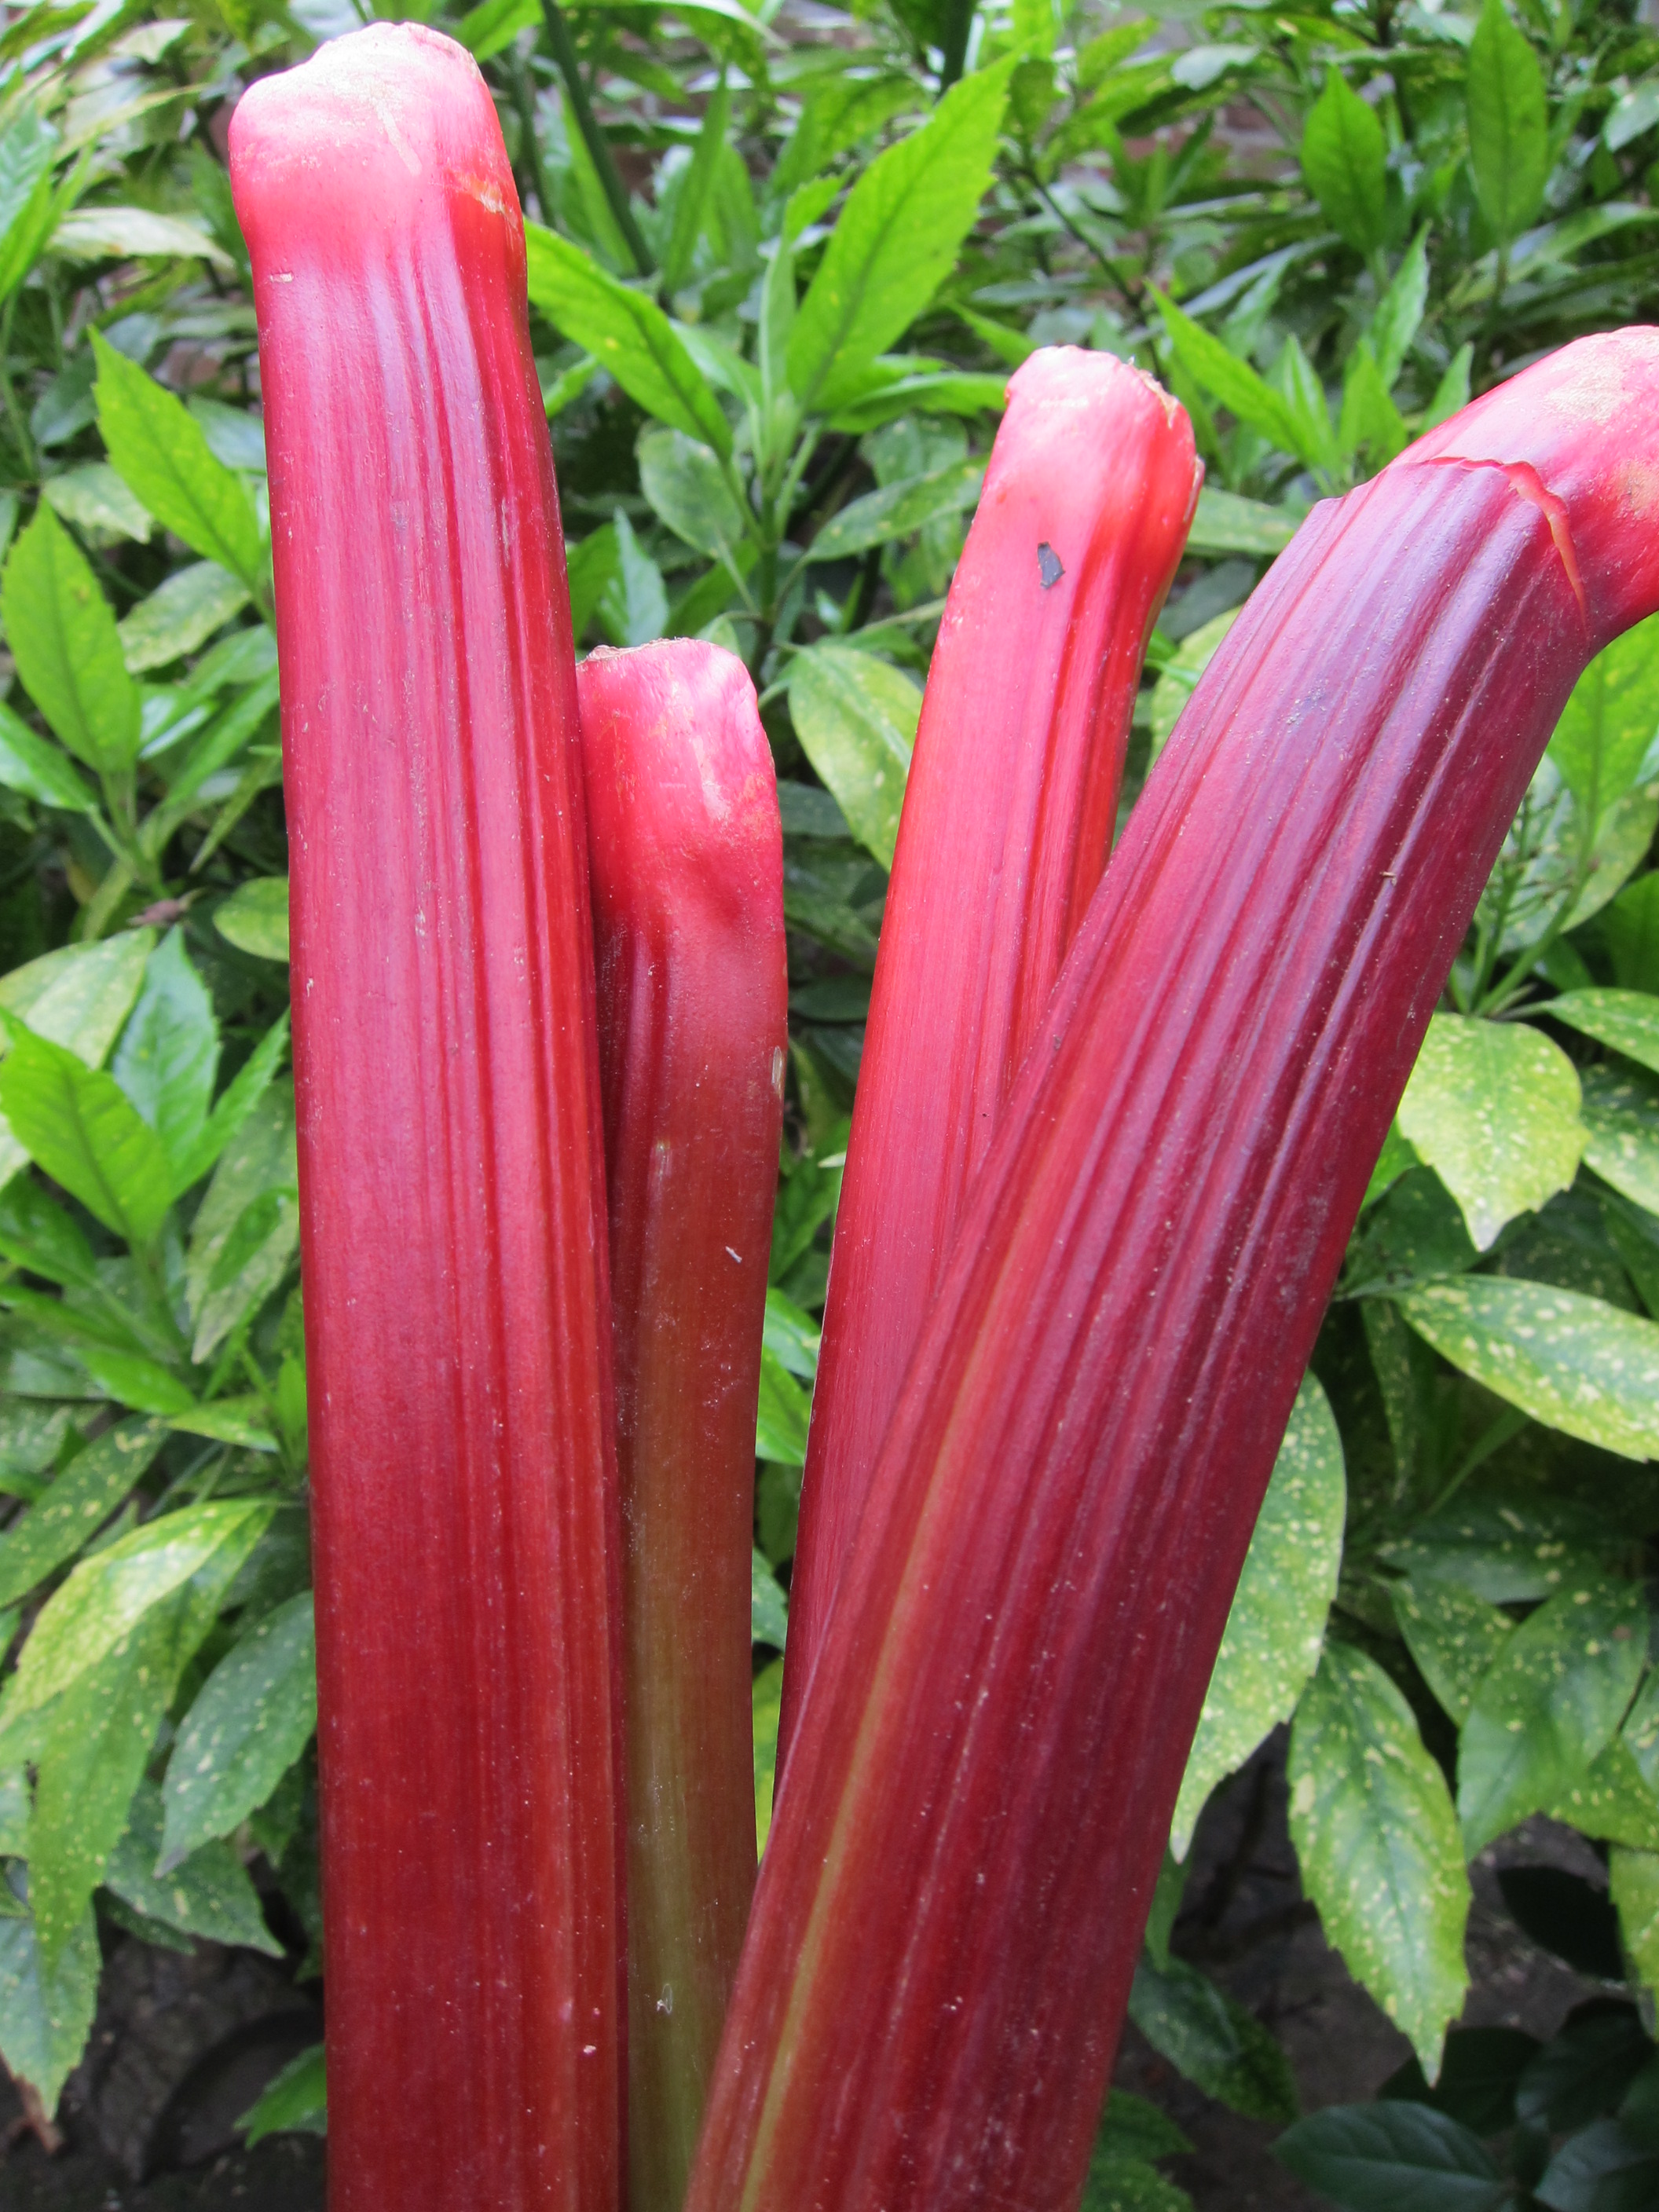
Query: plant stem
{"points": [[597, 145], [958, 22]]}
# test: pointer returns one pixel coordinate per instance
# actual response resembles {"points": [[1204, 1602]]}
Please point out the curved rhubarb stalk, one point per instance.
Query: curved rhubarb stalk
{"points": [[687, 853], [965, 1842], [451, 1169], [1007, 821]]}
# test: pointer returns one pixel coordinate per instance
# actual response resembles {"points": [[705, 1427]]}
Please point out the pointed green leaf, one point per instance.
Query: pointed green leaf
{"points": [[1400, 311], [1177, 679], [856, 719], [1621, 1120], [77, 1123], [254, 918], [1610, 1800], [235, 1104], [1611, 719], [1345, 160], [180, 615], [45, 2011], [1551, 1702], [253, 1192], [64, 638], [1453, 1635], [1232, 381], [768, 1607], [627, 333], [691, 203], [296, 2101], [1627, 1020], [897, 239], [768, 1700], [1386, 2156], [38, 770], [1213, 2041], [1492, 1107], [781, 1429], [249, 1721], [74, 1507], [1508, 123], [208, 1894], [1277, 1624], [685, 484], [1574, 1362], [163, 455], [1635, 1886], [169, 1050], [897, 510]]}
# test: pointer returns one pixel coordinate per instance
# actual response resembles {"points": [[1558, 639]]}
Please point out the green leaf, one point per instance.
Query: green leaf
{"points": [[64, 638], [27, 149], [1232, 381], [493, 24], [249, 1721], [1627, 1020], [206, 1892], [1630, 931], [236, 1103], [1621, 1120], [90, 1759], [46, 2011], [1276, 1625], [1129, 2185], [627, 333], [1611, 719], [1551, 1702], [768, 1700], [228, 1274], [40, 771], [781, 1426], [1377, 1843], [1640, 1734], [1212, 2041], [107, 1596], [690, 206], [169, 1050], [1610, 1799], [1452, 392], [133, 234], [1130, 2128], [1299, 382], [1370, 420], [897, 510], [1400, 311], [897, 238], [856, 719], [80, 996], [770, 1608], [1383, 2157], [1504, 1549], [296, 2101], [94, 499], [180, 615], [254, 918], [1573, 1363], [1492, 1107], [1604, 2168], [77, 1123], [162, 453], [1345, 160], [1224, 523], [792, 1337], [687, 487], [1453, 1635], [1509, 124], [76, 1505], [634, 604], [1635, 1885], [1178, 677]]}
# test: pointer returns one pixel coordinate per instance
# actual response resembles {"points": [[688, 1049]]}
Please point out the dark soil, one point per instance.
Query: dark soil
{"points": [[183, 2047]]}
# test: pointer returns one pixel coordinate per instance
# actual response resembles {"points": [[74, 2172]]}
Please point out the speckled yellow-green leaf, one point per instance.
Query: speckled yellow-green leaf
{"points": [[1627, 1020], [769, 1696], [1611, 1801], [1453, 1635], [1493, 1110], [1635, 1884], [249, 1723], [209, 1895], [1621, 1122], [1573, 1363], [1277, 1622], [1549, 1704], [1641, 1733], [46, 2011], [75, 1505], [1378, 1840]]}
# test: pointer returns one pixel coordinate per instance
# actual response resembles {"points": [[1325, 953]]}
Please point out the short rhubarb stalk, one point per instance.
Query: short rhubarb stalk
{"points": [[451, 1168], [966, 1838], [687, 852], [1007, 821]]}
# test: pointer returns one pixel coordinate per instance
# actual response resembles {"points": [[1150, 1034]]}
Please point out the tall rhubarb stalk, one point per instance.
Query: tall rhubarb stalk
{"points": [[1007, 821], [967, 1836], [687, 853], [451, 1170]]}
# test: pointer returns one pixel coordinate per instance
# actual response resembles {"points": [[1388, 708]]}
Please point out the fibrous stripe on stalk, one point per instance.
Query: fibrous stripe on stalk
{"points": [[451, 1169], [1008, 818], [967, 1835], [693, 1001]]}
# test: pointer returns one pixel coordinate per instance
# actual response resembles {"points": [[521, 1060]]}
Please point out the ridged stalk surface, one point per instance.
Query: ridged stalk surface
{"points": [[687, 853], [450, 1162], [1007, 821], [967, 1835]]}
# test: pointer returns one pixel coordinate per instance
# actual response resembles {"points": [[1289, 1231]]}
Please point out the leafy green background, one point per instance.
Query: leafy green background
{"points": [[778, 279]]}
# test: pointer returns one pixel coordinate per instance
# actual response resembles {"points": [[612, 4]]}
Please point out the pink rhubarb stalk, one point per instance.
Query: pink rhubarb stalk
{"points": [[451, 1169], [1008, 819], [967, 1836], [687, 855]]}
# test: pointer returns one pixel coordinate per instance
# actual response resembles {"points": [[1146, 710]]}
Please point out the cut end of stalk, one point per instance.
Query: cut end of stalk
{"points": [[392, 121]]}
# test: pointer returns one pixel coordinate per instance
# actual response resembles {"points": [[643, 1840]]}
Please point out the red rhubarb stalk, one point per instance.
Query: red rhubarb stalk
{"points": [[966, 1839], [1007, 821], [450, 1167], [687, 853]]}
